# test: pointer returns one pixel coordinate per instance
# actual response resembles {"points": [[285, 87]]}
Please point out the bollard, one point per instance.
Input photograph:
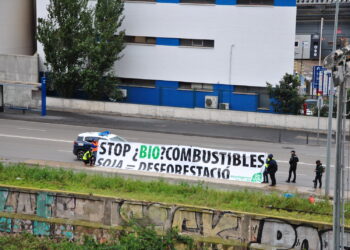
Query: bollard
{"points": [[279, 136], [2, 98], [307, 138], [43, 96]]}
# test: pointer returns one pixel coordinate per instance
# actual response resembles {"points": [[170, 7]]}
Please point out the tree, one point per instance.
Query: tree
{"points": [[81, 45], [105, 46], [285, 94]]}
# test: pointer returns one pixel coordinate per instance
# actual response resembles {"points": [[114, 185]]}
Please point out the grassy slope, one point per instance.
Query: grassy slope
{"points": [[160, 191]]}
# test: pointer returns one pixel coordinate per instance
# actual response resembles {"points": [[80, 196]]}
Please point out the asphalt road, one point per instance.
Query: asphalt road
{"points": [[50, 139], [182, 127]]}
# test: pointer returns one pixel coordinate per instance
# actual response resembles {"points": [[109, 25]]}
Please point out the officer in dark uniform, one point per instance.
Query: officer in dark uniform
{"points": [[293, 161], [272, 169], [319, 171]]}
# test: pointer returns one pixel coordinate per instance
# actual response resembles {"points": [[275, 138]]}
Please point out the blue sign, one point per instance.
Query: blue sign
{"points": [[316, 70]]}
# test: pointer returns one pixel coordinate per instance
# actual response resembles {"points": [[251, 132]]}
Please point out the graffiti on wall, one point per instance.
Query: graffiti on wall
{"points": [[279, 233], [225, 225]]}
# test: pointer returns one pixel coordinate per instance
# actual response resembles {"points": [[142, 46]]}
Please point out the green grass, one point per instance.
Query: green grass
{"points": [[159, 191], [137, 238]]}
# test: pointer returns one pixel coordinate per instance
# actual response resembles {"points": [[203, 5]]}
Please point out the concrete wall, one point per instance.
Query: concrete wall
{"points": [[196, 114], [70, 215], [16, 27], [19, 68], [22, 69]]}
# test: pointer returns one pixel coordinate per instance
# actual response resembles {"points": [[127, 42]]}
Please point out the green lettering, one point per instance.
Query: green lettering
{"points": [[149, 152], [143, 151], [156, 153]]}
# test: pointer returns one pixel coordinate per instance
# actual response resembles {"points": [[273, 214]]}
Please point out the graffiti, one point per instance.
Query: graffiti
{"points": [[79, 210], [284, 235]]}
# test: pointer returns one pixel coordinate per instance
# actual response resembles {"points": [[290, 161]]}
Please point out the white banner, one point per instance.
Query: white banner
{"points": [[182, 160]]}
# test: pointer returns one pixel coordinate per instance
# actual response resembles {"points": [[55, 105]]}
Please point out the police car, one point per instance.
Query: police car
{"points": [[84, 141]]}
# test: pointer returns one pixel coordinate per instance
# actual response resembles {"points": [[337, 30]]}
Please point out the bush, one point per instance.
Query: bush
{"points": [[135, 238]]}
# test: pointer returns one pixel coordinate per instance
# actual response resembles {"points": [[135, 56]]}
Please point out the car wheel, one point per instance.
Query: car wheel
{"points": [[80, 155]]}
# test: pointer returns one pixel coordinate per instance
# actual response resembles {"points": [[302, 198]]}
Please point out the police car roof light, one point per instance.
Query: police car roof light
{"points": [[104, 133]]}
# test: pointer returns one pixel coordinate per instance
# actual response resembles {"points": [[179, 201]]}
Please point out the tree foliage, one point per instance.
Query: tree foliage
{"points": [[81, 44], [285, 94]]}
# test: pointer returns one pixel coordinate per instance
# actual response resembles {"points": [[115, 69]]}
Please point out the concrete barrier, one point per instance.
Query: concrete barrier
{"points": [[19, 75], [71, 215], [294, 122]]}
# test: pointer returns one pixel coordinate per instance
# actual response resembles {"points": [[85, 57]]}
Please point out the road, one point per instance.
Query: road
{"points": [[24, 140]]}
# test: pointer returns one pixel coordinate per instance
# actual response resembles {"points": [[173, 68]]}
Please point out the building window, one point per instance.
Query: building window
{"points": [[183, 42], [197, 43], [196, 86], [137, 82], [185, 85], [140, 39], [264, 98], [255, 2]]}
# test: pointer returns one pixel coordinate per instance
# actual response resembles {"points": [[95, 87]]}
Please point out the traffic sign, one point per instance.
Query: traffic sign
{"points": [[316, 70]]}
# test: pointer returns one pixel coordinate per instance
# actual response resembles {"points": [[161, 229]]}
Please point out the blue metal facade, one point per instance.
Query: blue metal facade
{"points": [[167, 93]]}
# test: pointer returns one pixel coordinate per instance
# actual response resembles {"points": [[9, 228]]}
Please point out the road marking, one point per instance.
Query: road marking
{"points": [[32, 129], [35, 138], [131, 138], [65, 151], [301, 163], [286, 173]]}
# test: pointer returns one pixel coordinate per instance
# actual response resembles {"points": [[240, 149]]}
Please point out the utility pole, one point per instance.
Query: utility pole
{"points": [[230, 63], [321, 38], [338, 169], [330, 105], [302, 56], [340, 65]]}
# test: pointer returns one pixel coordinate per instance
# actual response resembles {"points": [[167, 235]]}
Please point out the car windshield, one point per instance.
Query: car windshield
{"points": [[80, 138], [117, 138], [90, 138]]}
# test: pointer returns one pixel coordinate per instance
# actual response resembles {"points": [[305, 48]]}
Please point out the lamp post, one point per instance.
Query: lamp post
{"points": [[321, 38], [330, 104], [302, 56], [341, 77], [230, 69]]}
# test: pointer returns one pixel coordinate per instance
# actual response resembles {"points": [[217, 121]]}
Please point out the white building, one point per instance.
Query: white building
{"points": [[180, 51]]}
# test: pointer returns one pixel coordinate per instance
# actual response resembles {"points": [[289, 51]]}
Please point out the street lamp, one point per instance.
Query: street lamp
{"points": [[230, 69], [330, 104], [337, 61]]}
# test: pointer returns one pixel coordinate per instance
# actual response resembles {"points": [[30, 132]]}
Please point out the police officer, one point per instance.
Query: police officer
{"points": [[94, 147], [319, 170], [293, 161], [266, 171], [87, 157], [272, 169]]}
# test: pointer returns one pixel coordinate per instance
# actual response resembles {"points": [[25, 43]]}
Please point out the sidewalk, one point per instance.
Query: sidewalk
{"points": [[225, 185]]}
